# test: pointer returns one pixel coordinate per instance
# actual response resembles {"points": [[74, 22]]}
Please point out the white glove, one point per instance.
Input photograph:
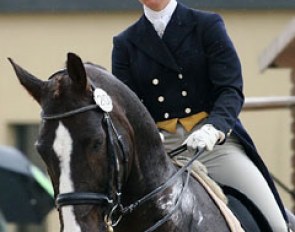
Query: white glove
{"points": [[205, 137]]}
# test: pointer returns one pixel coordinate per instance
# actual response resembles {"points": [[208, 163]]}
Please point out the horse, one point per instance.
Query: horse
{"points": [[106, 160]]}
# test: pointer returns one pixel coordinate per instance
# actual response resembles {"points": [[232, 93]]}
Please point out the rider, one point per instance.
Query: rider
{"points": [[183, 66]]}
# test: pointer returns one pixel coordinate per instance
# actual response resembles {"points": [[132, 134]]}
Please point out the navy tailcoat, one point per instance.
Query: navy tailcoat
{"points": [[193, 68]]}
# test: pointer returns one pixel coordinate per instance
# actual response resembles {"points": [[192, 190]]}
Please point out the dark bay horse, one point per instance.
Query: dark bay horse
{"points": [[106, 159]]}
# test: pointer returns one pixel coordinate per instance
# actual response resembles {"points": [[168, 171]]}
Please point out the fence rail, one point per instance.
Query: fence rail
{"points": [[259, 103]]}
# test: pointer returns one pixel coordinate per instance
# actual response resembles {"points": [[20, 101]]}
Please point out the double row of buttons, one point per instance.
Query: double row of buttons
{"points": [[186, 110], [162, 99], [156, 81]]}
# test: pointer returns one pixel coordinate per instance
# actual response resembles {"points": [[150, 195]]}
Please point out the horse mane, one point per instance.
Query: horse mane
{"points": [[95, 65]]}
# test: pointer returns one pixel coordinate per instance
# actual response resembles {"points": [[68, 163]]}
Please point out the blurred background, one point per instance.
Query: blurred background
{"points": [[38, 34]]}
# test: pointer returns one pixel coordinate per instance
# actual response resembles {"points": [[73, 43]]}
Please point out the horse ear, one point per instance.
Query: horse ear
{"points": [[77, 71], [32, 84]]}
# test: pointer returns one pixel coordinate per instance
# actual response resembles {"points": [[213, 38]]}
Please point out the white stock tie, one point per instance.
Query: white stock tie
{"points": [[160, 26]]}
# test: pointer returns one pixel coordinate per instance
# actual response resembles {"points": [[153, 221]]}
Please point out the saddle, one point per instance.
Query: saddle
{"points": [[239, 212]]}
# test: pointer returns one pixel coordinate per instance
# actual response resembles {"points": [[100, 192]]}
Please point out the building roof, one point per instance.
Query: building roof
{"points": [[281, 52], [122, 5]]}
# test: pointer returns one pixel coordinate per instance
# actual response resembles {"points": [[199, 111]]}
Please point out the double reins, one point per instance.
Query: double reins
{"points": [[171, 180]]}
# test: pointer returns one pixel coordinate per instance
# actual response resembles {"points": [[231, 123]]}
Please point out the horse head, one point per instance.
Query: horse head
{"points": [[94, 147]]}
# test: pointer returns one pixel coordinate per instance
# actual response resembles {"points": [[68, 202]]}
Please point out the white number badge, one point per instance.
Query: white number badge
{"points": [[103, 100]]}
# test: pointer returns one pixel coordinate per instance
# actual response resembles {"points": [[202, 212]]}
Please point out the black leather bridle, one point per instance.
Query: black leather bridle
{"points": [[88, 198], [113, 198]]}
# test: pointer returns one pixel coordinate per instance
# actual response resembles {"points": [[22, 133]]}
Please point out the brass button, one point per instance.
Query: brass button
{"points": [[161, 98], [155, 81], [188, 110]]}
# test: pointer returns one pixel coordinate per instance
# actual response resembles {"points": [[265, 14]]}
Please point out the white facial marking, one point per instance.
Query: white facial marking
{"points": [[62, 146]]}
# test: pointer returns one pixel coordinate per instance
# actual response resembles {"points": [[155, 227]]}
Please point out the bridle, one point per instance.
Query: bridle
{"points": [[113, 198], [118, 173]]}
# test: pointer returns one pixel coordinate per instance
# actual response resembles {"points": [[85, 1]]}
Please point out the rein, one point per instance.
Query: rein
{"points": [[113, 199], [162, 187], [186, 167]]}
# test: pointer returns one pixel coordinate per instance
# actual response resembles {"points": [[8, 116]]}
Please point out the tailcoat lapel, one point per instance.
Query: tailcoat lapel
{"points": [[179, 27], [146, 39]]}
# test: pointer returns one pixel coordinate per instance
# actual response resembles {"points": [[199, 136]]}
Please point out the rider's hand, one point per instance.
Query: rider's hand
{"points": [[205, 137]]}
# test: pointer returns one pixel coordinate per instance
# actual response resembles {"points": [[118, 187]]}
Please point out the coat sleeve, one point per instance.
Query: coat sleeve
{"points": [[224, 71], [121, 67]]}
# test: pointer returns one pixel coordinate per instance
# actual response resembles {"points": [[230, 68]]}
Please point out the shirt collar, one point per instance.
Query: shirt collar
{"points": [[164, 14]]}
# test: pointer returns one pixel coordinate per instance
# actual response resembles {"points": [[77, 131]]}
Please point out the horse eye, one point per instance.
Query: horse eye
{"points": [[92, 144], [96, 144]]}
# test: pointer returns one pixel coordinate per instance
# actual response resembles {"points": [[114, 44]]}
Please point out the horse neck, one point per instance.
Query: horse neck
{"points": [[151, 167]]}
